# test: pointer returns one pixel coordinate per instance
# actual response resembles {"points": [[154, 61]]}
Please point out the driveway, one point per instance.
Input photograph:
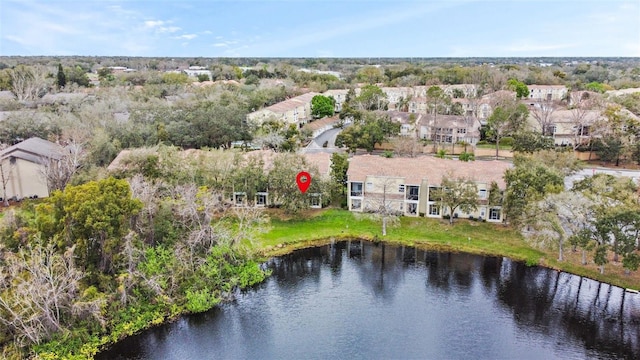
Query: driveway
{"points": [[315, 146]]}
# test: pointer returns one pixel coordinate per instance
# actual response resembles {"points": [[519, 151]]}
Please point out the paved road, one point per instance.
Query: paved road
{"points": [[315, 146], [633, 174]]}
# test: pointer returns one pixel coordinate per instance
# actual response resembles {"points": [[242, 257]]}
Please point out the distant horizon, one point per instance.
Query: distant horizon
{"points": [[321, 29], [328, 58]]}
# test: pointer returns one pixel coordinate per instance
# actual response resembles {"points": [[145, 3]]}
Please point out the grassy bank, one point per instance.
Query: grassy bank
{"points": [[287, 234]]}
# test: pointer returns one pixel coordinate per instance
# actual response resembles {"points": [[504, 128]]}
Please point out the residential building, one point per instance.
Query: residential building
{"points": [[572, 127], [296, 110], [23, 168], [406, 185], [195, 71], [450, 129], [339, 95], [547, 92]]}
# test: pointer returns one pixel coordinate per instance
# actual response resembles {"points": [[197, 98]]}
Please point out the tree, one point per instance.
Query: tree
{"points": [[105, 74], [59, 170], [370, 74], [6, 172], [283, 189], [521, 89], [600, 257], [457, 193], [560, 216], [77, 75], [542, 111], [374, 128], [618, 131], [581, 105], [29, 82], [38, 291], [619, 227], [62, 79], [94, 217], [437, 101], [322, 106], [527, 183], [371, 98], [506, 119], [531, 141]]}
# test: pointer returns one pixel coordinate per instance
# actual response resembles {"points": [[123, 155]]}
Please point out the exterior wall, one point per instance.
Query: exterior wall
{"points": [[261, 115], [538, 92], [24, 179], [401, 198]]}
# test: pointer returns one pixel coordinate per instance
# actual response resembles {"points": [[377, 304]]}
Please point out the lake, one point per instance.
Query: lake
{"points": [[361, 300]]}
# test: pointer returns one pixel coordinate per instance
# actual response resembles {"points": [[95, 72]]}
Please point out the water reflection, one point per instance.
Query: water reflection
{"points": [[363, 300]]}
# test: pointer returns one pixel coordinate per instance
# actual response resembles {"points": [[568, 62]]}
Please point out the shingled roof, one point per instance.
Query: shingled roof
{"points": [[33, 149], [414, 170]]}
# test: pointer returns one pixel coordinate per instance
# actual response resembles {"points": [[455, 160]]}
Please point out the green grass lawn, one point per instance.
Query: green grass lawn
{"points": [[463, 236], [493, 146]]}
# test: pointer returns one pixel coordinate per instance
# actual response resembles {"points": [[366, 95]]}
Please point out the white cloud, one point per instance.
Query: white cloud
{"points": [[153, 23], [186, 36]]}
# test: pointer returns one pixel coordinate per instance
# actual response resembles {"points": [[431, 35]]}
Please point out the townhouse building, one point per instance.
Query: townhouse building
{"points": [[23, 168], [406, 186], [296, 110], [450, 129], [547, 92]]}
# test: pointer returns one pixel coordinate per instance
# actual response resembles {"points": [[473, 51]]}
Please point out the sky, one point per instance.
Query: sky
{"points": [[320, 28]]}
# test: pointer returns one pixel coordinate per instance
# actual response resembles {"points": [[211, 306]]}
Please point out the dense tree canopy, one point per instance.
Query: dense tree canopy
{"points": [[322, 106]]}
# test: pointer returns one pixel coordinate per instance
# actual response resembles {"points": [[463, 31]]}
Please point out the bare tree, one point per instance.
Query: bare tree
{"points": [[29, 82], [5, 177], [542, 111], [457, 193], [58, 169], [38, 288], [384, 199], [406, 146], [582, 103]]}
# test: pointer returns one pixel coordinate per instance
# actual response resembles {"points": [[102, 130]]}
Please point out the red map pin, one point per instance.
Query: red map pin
{"points": [[304, 180]]}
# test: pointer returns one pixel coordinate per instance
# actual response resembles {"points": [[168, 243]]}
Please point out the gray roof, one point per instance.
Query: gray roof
{"points": [[33, 149]]}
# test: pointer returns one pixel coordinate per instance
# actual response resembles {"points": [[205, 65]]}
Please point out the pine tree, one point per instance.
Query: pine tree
{"points": [[62, 79]]}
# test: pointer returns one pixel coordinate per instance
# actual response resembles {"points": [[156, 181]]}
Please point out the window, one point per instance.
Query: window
{"points": [[412, 192], [239, 198], [315, 201], [462, 131], [356, 204], [369, 186], [494, 214], [434, 210], [412, 208], [482, 194], [261, 199], [401, 188], [356, 189], [584, 130]]}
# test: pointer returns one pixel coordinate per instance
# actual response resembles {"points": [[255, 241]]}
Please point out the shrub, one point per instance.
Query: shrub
{"points": [[506, 141], [465, 156], [200, 300], [387, 154]]}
